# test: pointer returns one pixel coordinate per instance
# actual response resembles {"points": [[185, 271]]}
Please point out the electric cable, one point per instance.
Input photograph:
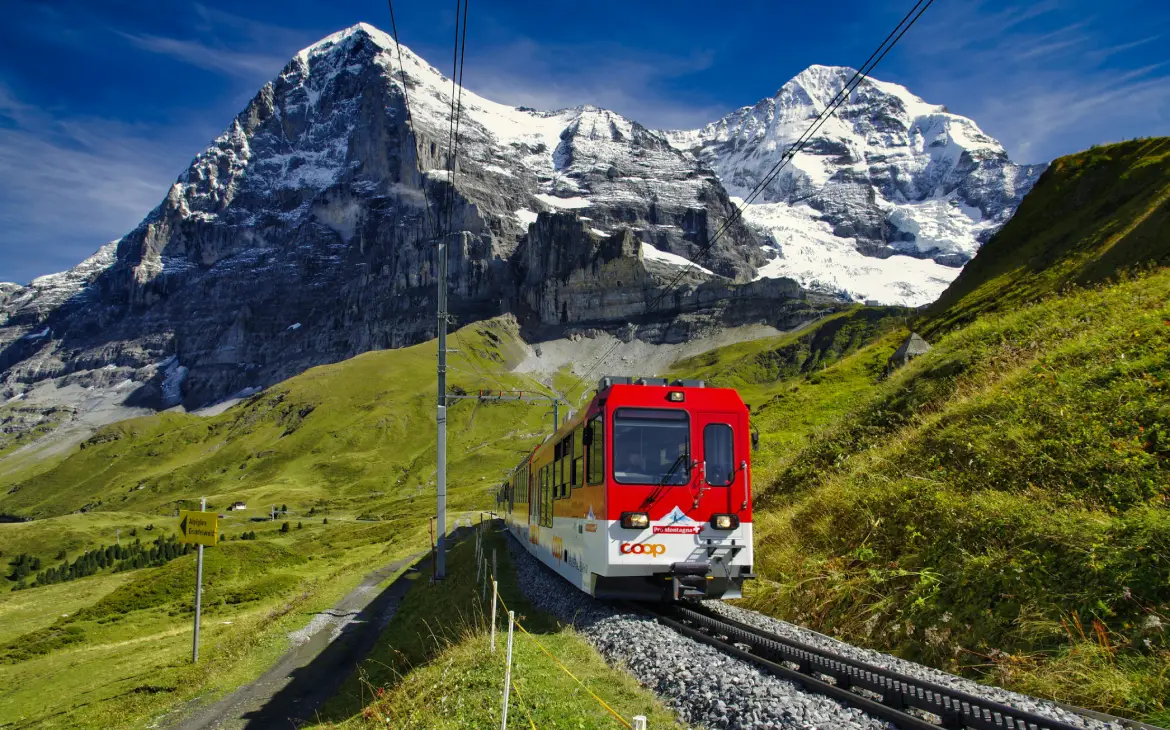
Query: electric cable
{"points": [[835, 103], [430, 226]]}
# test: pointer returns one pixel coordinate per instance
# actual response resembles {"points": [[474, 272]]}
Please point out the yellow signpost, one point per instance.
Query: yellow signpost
{"points": [[198, 528]]}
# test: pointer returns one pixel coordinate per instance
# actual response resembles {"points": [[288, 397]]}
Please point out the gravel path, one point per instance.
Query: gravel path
{"points": [[885, 661], [704, 686]]}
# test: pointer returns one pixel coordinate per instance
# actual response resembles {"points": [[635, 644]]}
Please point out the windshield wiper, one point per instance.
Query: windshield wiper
{"points": [[665, 482]]}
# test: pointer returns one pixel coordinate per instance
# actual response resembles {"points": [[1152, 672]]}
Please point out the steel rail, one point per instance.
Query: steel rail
{"points": [[813, 667]]}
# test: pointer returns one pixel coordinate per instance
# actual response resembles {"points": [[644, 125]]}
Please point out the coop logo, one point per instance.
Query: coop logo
{"points": [[639, 548]]}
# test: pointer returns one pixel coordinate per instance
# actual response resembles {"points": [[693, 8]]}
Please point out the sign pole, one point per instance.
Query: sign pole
{"points": [[198, 588]]}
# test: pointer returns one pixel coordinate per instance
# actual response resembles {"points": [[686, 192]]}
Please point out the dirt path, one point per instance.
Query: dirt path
{"points": [[324, 653]]}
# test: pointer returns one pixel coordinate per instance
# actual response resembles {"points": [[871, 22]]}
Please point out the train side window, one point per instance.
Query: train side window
{"points": [[718, 453], [578, 459], [595, 465], [544, 489], [548, 498]]}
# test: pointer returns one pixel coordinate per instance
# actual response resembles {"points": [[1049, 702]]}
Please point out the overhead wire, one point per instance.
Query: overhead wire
{"points": [[429, 225], [456, 107], [836, 102]]}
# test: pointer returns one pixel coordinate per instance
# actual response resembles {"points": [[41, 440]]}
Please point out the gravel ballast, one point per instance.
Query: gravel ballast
{"points": [[885, 661], [713, 690], [704, 686]]}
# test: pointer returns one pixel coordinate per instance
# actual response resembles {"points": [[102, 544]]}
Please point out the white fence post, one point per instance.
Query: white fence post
{"points": [[495, 599], [508, 672], [478, 569], [485, 581], [495, 575], [639, 722]]}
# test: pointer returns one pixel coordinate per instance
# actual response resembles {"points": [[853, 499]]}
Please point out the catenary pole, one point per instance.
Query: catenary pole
{"points": [[441, 456]]}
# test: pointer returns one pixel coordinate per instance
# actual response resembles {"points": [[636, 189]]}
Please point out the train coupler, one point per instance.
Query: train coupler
{"points": [[689, 580]]}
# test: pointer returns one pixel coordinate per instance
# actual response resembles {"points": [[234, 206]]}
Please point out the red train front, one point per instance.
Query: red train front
{"points": [[644, 494]]}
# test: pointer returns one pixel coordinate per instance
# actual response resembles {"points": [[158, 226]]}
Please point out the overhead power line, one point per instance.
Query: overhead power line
{"points": [[836, 102], [431, 228], [460, 48]]}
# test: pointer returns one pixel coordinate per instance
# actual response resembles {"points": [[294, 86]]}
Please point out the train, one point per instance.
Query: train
{"points": [[643, 495]]}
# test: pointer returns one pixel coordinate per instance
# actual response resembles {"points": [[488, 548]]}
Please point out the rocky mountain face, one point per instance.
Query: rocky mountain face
{"points": [[306, 232], [887, 200]]}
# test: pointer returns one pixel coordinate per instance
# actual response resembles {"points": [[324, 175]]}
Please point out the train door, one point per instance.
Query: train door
{"points": [[721, 465]]}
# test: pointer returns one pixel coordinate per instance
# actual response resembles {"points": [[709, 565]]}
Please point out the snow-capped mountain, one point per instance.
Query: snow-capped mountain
{"points": [[305, 233], [310, 210], [886, 201]]}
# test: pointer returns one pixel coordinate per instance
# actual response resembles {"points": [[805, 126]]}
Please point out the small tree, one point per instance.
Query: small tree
{"points": [[222, 537], [299, 526], [284, 527], [284, 508], [325, 521]]}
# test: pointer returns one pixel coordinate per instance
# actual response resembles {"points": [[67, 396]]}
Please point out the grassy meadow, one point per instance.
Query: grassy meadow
{"points": [[347, 448]]}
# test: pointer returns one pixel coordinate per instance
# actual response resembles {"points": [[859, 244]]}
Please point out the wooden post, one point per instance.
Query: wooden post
{"points": [[495, 596]]}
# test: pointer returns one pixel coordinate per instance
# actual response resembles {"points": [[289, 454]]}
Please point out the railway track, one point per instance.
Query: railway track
{"points": [[910, 703]]}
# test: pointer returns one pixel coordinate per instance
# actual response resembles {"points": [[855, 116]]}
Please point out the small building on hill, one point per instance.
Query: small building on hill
{"points": [[237, 506], [911, 347]]}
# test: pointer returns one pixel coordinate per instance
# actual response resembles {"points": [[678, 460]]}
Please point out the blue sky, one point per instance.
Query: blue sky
{"points": [[103, 103]]}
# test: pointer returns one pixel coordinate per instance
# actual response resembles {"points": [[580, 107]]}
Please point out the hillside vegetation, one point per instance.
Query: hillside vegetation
{"points": [[354, 435], [1090, 216], [439, 637], [344, 452], [1000, 506]]}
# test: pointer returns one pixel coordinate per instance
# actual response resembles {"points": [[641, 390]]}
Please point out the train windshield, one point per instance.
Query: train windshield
{"points": [[651, 446]]}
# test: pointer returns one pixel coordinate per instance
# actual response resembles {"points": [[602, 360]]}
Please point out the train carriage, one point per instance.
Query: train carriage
{"points": [[645, 494]]}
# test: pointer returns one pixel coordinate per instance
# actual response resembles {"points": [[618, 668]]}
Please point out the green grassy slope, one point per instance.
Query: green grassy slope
{"points": [[800, 382], [355, 435], [348, 448], [1089, 216], [998, 507], [114, 650], [439, 638], [1006, 492]]}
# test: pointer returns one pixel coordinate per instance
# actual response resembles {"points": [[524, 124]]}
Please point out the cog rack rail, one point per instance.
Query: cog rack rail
{"points": [[894, 694]]}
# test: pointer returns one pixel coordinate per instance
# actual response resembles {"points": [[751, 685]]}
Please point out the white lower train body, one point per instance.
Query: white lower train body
{"points": [[608, 561]]}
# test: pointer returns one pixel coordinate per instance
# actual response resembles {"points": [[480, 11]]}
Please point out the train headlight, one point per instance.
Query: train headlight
{"points": [[635, 520], [675, 396], [724, 522]]}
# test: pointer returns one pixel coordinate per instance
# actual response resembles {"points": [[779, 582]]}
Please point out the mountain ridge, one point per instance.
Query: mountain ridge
{"points": [[301, 236]]}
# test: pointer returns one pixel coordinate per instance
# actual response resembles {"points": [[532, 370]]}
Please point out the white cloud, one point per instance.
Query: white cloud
{"points": [[238, 63]]}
